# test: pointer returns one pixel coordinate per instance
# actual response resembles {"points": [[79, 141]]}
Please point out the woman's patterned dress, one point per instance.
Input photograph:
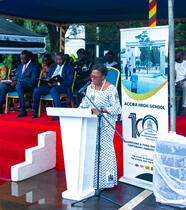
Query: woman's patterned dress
{"points": [[109, 100]]}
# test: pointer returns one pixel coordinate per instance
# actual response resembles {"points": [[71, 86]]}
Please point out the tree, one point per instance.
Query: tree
{"points": [[155, 56], [144, 51], [54, 37], [180, 35], [102, 32], [106, 36], [145, 55], [143, 37], [51, 32]]}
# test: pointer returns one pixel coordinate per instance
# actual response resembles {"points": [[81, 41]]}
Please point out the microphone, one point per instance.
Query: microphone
{"points": [[84, 87]]}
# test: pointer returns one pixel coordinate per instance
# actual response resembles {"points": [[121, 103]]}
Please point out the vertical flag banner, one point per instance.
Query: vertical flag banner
{"points": [[62, 38], [144, 63], [152, 12]]}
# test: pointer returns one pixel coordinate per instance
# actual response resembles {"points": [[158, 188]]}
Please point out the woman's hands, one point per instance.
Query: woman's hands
{"points": [[95, 111]]}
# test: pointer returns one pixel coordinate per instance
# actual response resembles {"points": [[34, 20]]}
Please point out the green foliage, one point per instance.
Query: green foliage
{"points": [[102, 32], [148, 54], [155, 56], [145, 54], [180, 35], [143, 37], [136, 24], [145, 51], [19, 22], [7, 60], [108, 33]]}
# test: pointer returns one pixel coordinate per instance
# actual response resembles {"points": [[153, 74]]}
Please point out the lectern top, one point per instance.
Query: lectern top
{"points": [[69, 112]]}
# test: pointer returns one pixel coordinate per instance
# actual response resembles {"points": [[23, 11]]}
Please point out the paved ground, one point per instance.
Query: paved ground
{"points": [[44, 192]]}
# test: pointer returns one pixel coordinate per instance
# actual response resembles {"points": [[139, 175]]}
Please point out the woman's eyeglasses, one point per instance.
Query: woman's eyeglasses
{"points": [[95, 77]]}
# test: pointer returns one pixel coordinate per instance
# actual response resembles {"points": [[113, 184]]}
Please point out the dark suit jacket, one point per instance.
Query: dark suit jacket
{"points": [[30, 75], [67, 74]]}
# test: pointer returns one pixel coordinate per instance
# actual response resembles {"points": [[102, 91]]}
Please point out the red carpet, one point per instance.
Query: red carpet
{"points": [[181, 125], [18, 134], [118, 145]]}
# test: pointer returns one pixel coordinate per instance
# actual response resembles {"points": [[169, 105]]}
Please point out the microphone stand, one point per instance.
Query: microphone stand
{"points": [[98, 190]]}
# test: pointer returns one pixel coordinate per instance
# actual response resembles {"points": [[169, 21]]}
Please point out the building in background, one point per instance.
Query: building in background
{"points": [[74, 39]]}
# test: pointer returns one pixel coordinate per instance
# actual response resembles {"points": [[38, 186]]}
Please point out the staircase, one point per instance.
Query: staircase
{"points": [[24, 152]]}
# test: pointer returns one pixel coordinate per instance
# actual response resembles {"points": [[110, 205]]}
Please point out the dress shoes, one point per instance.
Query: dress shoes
{"points": [[1, 110], [35, 114], [55, 118], [23, 113]]}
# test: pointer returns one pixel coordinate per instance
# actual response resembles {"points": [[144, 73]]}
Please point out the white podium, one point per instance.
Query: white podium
{"points": [[78, 130]]}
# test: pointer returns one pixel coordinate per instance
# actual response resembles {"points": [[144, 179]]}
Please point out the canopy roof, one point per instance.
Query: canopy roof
{"points": [[14, 39], [85, 11]]}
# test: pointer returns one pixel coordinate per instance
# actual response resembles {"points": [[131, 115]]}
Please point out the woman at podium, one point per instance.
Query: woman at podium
{"points": [[105, 97]]}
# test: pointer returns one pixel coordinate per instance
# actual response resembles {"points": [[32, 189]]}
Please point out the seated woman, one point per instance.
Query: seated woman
{"points": [[3, 70], [105, 97], [47, 62]]}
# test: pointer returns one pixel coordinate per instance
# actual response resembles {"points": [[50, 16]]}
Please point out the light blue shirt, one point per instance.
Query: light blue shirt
{"points": [[58, 71], [134, 81]]}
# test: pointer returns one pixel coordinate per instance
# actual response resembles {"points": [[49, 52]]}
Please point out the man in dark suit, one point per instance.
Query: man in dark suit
{"points": [[66, 72], [26, 80]]}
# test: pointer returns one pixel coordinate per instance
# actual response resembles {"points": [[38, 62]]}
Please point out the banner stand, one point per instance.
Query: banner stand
{"points": [[144, 80]]}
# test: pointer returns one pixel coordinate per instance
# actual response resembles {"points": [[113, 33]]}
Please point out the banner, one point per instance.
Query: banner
{"points": [[144, 67]]}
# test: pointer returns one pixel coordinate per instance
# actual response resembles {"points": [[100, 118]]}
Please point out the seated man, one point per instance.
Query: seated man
{"points": [[180, 67], [66, 71], [26, 79]]}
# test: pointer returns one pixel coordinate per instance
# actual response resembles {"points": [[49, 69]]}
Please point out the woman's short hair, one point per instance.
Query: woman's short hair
{"points": [[101, 68]]}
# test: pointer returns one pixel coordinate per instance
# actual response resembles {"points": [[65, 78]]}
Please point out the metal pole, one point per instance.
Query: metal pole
{"points": [[172, 65]]}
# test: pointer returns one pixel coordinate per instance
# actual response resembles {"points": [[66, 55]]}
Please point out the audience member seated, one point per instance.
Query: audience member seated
{"points": [[83, 68], [13, 71], [47, 62], [66, 71], [3, 70], [67, 58], [26, 80], [109, 56], [12, 76], [180, 67], [35, 59], [72, 59]]}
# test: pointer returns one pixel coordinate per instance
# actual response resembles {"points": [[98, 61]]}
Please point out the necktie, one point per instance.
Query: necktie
{"points": [[56, 71], [24, 67]]}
